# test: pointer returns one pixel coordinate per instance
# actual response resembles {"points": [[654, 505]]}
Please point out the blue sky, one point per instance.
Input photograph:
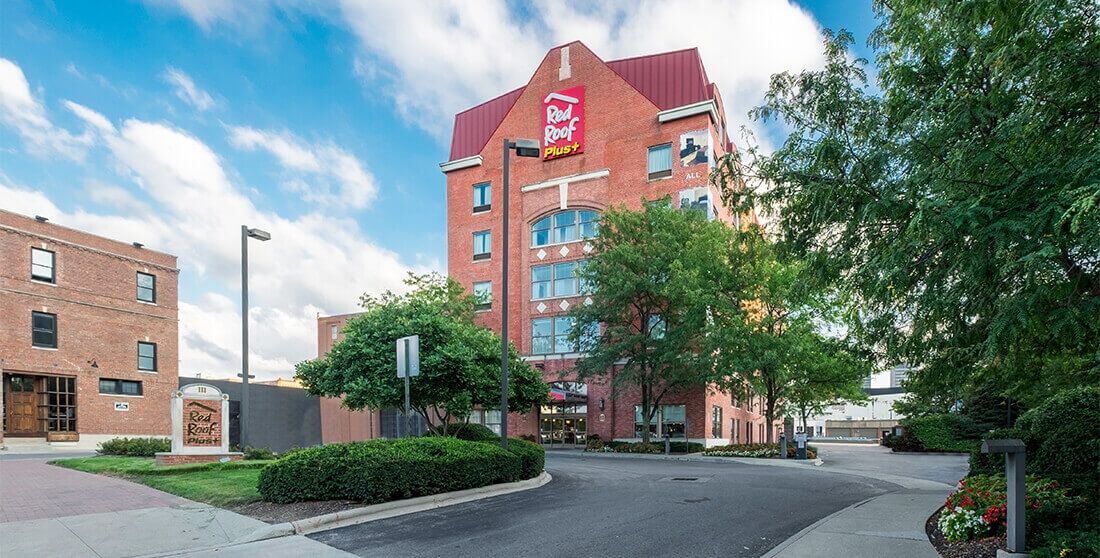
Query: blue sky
{"points": [[171, 122]]}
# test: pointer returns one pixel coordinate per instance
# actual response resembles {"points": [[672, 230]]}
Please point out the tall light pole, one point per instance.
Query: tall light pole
{"points": [[524, 148], [246, 233]]}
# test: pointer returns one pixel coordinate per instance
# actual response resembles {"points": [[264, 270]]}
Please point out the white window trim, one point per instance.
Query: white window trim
{"points": [[43, 282]]}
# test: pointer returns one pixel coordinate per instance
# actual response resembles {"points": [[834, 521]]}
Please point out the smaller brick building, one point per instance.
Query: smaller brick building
{"points": [[88, 334]]}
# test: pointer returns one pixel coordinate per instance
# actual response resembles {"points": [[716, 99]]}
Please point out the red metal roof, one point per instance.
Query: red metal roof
{"points": [[668, 80], [474, 126]]}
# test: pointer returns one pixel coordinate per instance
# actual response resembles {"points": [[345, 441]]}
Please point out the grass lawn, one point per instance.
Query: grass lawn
{"points": [[217, 484]]}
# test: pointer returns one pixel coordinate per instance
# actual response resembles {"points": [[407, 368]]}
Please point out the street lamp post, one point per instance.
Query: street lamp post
{"points": [[524, 148], [258, 234]]}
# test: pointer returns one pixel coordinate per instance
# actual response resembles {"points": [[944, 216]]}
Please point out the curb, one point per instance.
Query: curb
{"points": [[700, 458], [390, 509], [806, 530]]}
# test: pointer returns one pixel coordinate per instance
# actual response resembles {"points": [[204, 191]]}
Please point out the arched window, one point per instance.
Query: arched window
{"points": [[564, 226]]}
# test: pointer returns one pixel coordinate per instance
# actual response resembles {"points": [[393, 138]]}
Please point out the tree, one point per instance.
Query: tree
{"points": [[764, 329], [459, 361], [957, 203], [647, 275], [827, 371]]}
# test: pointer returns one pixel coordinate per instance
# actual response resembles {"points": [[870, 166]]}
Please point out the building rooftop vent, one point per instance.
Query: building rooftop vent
{"points": [[40, 219], [138, 245]]}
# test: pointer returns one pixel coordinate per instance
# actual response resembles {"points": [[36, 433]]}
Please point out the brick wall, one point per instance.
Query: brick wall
{"points": [[99, 321], [621, 124]]}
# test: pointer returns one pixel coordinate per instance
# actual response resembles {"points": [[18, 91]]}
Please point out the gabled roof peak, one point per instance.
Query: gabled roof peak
{"points": [[668, 79]]}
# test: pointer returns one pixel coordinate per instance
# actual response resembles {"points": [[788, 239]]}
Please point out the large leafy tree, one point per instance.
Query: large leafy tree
{"points": [[648, 274], [765, 331], [827, 371], [459, 361], [959, 201]]}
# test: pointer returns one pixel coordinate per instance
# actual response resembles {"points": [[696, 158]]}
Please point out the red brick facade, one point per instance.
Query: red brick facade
{"points": [[99, 323], [338, 424], [621, 125]]}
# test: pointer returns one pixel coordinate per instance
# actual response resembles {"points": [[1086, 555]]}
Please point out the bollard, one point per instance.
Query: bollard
{"points": [[667, 437], [1015, 462], [782, 445]]}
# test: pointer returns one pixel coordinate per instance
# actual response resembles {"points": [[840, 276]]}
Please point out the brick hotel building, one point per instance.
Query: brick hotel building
{"points": [[611, 133], [88, 335]]}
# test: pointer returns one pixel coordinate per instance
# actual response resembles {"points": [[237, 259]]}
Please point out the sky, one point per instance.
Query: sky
{"points": [[174, 122]]}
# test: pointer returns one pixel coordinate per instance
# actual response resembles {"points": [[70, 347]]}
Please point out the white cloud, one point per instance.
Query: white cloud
{"points": [[321, 173], [186, 89], [21, 111], [208, 12], [459, 54], [313, 264]]}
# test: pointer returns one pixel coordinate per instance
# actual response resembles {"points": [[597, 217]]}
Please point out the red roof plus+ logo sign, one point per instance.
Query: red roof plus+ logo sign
{"points": [[563, 123]]}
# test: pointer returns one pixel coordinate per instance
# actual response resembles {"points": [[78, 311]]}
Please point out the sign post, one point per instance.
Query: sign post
{"points": [[408, 365]]}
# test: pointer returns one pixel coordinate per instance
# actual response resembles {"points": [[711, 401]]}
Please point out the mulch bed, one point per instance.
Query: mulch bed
{"points": [[280, 513], [980, 548]]}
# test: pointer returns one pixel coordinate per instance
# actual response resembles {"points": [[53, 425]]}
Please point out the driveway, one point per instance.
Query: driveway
{"points": [[874, 459], [607, 506]]}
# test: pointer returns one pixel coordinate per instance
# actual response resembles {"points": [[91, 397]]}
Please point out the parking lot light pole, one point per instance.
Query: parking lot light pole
{"points": [[260, 235], [524, 148]]}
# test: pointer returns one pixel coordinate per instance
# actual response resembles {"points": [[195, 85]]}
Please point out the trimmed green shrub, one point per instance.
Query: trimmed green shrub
{"points": [[383, 470], [947, 432], [1064, 543], [476, 433], [258, 453], [1065, 442], [636, 447], [135, 447], [532, 457], [594, 442]]}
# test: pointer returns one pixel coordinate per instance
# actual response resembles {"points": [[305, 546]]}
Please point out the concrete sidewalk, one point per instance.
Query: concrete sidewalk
{"points": [[887, 525], [52, 511]]}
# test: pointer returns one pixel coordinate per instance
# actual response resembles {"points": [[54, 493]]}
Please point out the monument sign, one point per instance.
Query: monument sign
{"points": [[200, 426]]}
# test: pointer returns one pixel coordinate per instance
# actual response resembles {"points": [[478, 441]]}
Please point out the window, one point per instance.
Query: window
{"points": [[589, 223], [565, 226], [483, 292], [490, 419], [481, 245], [560, 279], [119, 387], [541, 336], [482, 200], [660, 161], [44, 330], [146, 287], [541, 277], [147, 356], [748, 432], [334, 330], [656, 326], [551, 335], [60, 404], [562, 325], [42, 265], [716, 422], [669, 419]]}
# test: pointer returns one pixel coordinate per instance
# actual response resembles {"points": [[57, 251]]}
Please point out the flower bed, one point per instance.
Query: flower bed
{"points": [[757, 450], [978, 508]]}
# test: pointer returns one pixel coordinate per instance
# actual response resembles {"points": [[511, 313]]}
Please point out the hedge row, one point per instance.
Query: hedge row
{"points": [[383, 470], [947, 432], [135, 447]]}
